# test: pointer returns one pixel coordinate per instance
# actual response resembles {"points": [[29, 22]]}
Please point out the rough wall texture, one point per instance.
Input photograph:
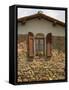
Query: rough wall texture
{"points": [[58, 42], [22, 38]]}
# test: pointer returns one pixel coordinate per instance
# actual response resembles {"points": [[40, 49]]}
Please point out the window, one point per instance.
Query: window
{"points": [[39, 44]]}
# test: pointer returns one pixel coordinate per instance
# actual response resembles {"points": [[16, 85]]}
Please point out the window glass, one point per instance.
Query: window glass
{"points": [[39, 45]]}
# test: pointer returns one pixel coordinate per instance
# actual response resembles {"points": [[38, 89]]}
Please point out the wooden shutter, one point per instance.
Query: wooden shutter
{"points": [[30, 44], [49, 44]]}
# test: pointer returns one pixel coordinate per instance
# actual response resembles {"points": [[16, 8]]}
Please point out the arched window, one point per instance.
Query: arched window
{"points": [[39, 44], [49, 44], [30, 44]]}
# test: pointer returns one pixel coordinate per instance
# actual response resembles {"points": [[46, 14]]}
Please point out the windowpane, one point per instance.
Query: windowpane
{"points": [[39, 46]]}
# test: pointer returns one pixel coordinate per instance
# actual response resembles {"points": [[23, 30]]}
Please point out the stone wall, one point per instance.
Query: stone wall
{"points": [[22, 38], [58, 42]]}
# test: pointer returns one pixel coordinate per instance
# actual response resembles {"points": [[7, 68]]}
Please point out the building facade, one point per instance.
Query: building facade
{"points": [[41, 34]]}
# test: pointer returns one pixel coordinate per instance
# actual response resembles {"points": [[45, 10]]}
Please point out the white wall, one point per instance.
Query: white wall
{"points": [[41, 26]]}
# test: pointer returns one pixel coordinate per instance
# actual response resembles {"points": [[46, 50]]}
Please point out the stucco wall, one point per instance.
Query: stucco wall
{"points": [[41, 26]]}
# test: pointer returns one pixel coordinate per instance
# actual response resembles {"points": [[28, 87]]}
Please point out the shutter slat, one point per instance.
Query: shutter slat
{"points": [[30, 44], [49, 44]]}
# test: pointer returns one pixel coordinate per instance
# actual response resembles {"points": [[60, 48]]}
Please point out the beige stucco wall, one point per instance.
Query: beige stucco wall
{"points": [[41, 26]]}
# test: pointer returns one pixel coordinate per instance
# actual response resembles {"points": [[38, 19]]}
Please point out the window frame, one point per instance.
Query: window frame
{"points": [[40, 38]]}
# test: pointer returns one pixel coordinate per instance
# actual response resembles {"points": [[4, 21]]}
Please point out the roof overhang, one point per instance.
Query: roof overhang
{"points": [[39, 16]]}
